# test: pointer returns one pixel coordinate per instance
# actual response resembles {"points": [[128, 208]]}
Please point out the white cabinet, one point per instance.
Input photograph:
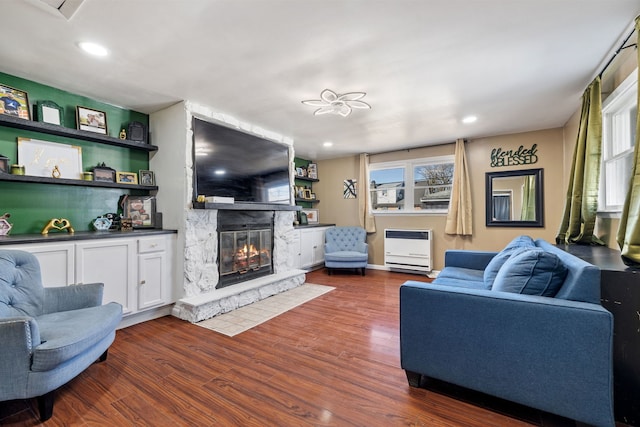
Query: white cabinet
{"points": [[312, 246], [154, 272], [112, 262], [136, 271], [56, 262]]}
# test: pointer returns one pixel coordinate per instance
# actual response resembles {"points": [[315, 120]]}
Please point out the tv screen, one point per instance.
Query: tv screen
{"points": [[232, 163]]}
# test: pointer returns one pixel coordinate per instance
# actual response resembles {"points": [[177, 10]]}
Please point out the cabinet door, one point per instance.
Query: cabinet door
{"points": [[306, 248], [318, 245], [112, 262], [56, 262], [151, 279]]}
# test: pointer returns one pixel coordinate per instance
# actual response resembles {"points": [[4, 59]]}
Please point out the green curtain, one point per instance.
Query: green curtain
{"points": [[579, 218], [529, 199], [629, 230]]}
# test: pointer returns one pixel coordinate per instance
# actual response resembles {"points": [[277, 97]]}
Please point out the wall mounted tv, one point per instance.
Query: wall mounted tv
{"points": [[231, 163]]}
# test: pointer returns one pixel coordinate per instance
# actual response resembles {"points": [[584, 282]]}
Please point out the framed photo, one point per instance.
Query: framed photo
{"points": [[141, 210], [42, 158], [300, 172], [307, 194], [104, 173], [126, 177], [146, 177], [91, 120], [312, 215], [312, 171], [4, 164], [137, 132], [15, 102], [49, 112]]}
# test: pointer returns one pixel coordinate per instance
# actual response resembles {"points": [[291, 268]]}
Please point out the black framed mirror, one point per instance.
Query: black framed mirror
{"points": [[515, 198]]}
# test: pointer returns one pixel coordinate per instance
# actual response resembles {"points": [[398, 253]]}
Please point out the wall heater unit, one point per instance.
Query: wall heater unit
{"points": [[408, 249]]}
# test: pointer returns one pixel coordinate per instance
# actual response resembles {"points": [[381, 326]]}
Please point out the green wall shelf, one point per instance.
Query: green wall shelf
{"points": [[51, 129], [77, 182]]}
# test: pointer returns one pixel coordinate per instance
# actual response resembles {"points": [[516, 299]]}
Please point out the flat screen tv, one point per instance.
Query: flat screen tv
{"points": [[231, 163]]}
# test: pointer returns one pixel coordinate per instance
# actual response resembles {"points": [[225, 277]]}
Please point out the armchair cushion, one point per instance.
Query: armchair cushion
{"points": [[531, 271], [67, 334], [21, 291]]}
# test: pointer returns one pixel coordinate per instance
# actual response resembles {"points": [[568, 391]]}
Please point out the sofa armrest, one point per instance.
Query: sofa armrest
{"points": [[72, 297], [20, 335], [550, 354], [476, 260]]}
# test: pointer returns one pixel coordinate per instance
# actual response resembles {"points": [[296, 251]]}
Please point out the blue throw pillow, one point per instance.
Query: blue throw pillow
{"points": [[497, 261], [531, 271]]}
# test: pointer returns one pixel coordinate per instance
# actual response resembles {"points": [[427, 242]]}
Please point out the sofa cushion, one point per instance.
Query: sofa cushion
{"points": [[346, 256], [491, 271], [531, 271], [461, 273], [67, 334]]}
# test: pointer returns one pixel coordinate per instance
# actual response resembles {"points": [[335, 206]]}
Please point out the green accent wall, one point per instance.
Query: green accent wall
{"points": [[32, 205]]}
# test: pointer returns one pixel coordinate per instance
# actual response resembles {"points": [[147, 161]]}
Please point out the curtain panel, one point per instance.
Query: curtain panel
{"points": [[366, 218], [581, 206], [628, 236], [460, 215]]}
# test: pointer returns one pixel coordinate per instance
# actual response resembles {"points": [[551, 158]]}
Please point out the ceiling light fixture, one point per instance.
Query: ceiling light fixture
{"points": [[469, 119], [327, 144], [333, 103], [93, 48]]}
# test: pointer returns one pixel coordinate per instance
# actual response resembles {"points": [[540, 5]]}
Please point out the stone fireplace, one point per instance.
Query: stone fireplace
{"points": [[209, 292]]}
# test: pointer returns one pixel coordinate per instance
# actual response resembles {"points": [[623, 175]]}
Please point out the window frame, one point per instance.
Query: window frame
{"points": [[622, 100], [409, 184]]}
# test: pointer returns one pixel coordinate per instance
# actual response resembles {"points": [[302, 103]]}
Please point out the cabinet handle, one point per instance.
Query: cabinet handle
{"points": [[142, 282]]}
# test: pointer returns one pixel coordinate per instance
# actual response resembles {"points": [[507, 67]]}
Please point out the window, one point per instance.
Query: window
{"points": [[413, 186], [619, 117]]}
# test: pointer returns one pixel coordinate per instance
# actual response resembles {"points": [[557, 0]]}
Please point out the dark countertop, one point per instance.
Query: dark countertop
{"points": [[80, 235], [314, 225]]}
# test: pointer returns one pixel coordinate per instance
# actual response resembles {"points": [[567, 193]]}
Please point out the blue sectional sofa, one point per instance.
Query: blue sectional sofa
{"points": [[524, 324]]}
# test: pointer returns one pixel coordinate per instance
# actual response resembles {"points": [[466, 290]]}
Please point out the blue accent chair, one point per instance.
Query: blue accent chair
{"points": [[49, 335], [346, 247], [553, 353]]}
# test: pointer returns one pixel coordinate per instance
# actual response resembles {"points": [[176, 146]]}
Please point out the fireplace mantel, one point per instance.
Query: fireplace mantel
{"points": [[246, 206]]}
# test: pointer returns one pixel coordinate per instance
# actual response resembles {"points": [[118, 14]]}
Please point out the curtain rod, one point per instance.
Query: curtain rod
{"points": [[620, 49]]}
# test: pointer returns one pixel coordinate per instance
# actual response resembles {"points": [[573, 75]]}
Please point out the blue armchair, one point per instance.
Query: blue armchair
{"points": [[346, 247], [49, 335]]}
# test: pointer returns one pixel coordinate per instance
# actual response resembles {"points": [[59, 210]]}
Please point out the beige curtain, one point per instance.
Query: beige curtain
{"points": [[579, 218], [628, 236], [367, 221], [459, 218]]}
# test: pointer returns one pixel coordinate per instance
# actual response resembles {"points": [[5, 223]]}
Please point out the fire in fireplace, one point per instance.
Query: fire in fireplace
{"points": [[245, 246]]}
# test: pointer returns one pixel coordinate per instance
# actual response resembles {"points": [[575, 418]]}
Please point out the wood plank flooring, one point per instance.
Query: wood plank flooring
{"points": [[333, 361]]}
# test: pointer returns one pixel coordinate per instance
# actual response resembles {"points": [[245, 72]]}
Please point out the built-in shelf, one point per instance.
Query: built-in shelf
{"points": [[304, 178], [307, 200], [76, 182], [51, 129]]}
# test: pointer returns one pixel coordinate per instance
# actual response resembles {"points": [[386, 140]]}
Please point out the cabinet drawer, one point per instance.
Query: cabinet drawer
{"points": [[151, 245]]}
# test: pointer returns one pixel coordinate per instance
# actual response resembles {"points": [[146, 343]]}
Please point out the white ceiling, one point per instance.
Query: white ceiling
{"points": [[518, 65]]}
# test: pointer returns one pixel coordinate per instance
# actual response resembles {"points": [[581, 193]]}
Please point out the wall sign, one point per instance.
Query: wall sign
{"points": [[521, 156]]}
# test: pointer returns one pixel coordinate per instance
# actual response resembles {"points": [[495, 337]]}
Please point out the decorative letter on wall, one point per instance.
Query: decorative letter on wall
{"points": [[521, 156]]}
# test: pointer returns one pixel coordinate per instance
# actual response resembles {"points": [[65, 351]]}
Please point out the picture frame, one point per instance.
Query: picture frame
{"points": [[141, 210], [137, 132], [15, 102], [4, 164], [104, 173], [126, 177], [306, 193], [312, 171], [300, 172], [91, 120], [146, 177], [42, 158], [312, 215], [49, 112]]}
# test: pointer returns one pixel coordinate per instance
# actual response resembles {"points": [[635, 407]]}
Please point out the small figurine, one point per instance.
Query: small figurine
{"points": [[60, 224], [56, 172], [123, 134]]}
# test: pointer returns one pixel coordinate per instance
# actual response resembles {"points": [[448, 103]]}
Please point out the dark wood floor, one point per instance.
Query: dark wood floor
{"points": [[333, 361]]}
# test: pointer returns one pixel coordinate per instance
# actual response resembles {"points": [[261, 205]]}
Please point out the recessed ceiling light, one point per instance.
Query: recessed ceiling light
{"points": [[469, 119], [327, 144], [93, 49], [220, 172]]}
